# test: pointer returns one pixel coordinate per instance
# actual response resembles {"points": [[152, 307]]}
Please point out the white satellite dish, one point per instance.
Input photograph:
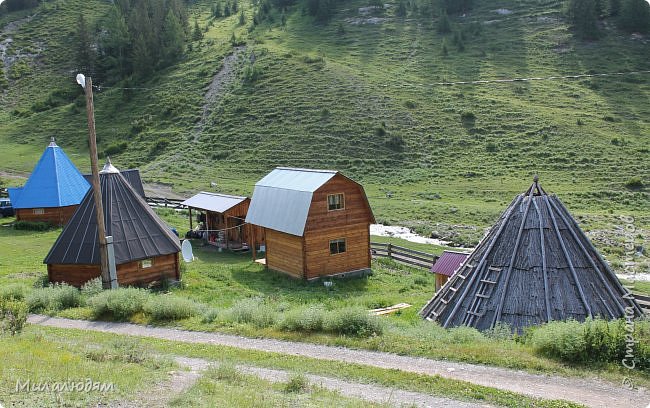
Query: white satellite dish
{"points": [[186, 250]]}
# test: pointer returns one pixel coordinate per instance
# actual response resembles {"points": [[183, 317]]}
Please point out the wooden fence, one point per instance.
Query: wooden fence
{"points": [[165, 202], [643, 301], [426, 260], [403, 255]]}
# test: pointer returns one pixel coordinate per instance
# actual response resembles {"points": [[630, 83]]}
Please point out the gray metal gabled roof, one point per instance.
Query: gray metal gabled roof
{"points": [[281, 200], [213, 201], [138, 233]]}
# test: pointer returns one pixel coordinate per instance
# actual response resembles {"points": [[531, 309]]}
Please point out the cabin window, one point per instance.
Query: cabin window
{"points": [[337, 246], [335, 202], [39, 211], [146, 263]]}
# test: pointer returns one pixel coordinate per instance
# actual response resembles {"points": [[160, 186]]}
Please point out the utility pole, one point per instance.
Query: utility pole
{"points": [[87, 84]]}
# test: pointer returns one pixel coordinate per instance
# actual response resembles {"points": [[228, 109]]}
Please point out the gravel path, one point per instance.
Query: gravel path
{"points": [[590, 392], [160, 395], [181, 381], [373, 393]]}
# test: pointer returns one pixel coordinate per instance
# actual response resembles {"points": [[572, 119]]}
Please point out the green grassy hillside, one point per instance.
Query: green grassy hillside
{"points": [[362, 95]]}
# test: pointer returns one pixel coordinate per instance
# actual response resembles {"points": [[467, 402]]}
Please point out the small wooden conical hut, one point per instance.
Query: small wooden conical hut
{"points": [[145, 248], [535, 265]]}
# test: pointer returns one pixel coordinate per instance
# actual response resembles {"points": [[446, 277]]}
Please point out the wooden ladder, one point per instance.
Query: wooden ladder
{"points": [[455, 284], [484, 291]]}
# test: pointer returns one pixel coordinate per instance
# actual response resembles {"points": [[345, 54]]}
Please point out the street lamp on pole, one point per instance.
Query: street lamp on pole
{"points": [[87, 85]]}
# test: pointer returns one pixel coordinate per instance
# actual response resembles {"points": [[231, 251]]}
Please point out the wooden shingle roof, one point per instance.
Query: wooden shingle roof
{"points": [[535, 265]]}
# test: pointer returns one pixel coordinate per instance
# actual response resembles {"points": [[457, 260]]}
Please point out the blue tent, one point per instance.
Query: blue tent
{"points": [[55, 182]]}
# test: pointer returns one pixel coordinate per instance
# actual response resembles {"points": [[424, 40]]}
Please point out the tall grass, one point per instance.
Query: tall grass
{"points": [[53, 298], [594, 341], [164, 307], [120, 303], [354, 321], [15, 291]]}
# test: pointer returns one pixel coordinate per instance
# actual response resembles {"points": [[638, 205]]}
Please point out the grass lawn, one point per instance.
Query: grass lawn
{"points": [[226, 387], [220, 281], [39, 357], [74, 351]]}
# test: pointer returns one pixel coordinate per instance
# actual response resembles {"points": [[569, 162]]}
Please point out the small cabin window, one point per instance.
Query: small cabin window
{"points": [[337, 246], [335, 202], [146, 263], [39, 211]]}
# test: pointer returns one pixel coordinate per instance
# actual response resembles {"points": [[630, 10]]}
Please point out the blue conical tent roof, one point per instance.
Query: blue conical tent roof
{"points": [[55, 182]]}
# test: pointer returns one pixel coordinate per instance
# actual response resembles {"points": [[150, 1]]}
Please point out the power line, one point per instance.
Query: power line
{"points": [[475, 82], [549, 78]]}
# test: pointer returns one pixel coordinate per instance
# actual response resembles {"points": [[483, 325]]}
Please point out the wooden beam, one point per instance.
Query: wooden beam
{"points": [[491, 239], [191, 228], [568, 258], [227, 231], [497, 315], [252, 240], [547, 298], [593, 264]]}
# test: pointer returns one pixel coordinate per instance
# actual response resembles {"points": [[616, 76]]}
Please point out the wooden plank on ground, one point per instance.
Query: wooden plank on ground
{"points": [[390, 309]]}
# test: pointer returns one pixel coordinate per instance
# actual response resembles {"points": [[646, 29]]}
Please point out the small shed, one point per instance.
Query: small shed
{"points": [[447, 265], [316, 222], [224, 220], [145, 248], [53, 191]]}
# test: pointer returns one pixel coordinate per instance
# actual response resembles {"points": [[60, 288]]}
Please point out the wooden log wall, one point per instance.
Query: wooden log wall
{"points": [[284, 253], [131, 273], [58, 216], [320, 262]]}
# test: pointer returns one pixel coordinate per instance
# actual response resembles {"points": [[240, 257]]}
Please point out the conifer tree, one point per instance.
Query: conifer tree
{"points": [[582, 14], [635, 16], [85, 56]]}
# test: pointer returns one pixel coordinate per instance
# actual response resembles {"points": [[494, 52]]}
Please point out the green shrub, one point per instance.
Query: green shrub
{"points": [[225, 372], [464, 335], [396, 143], [635, 183], [253, 311], [19, 70], [297, 383], [32, 226], [165, 307], [92, 288], [467, 116], [127, 350], [210, 315], [594, 341], [114, 149], [53, 298], [307, 319], [120, 303], [15, 291], [13, 316], [501, 331], [353, 321], [560, 340]]}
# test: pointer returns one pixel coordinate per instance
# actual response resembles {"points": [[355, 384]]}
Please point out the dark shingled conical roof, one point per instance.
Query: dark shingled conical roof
{"points": [[535, 265], [138, 233]]}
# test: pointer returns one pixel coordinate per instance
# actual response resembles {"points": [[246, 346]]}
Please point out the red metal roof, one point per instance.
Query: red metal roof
{"points": [[449, 262]]}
